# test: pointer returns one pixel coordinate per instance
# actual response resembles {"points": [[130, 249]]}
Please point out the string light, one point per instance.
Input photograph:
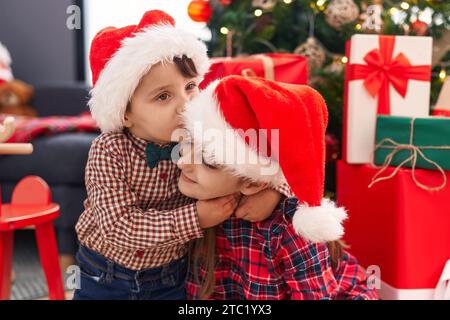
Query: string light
{"points": [[358, 26], [320, 3], [344, 60], [393, 11], [404, 5], [224, 30], [442, 74], [258, 12], [287, 1]]}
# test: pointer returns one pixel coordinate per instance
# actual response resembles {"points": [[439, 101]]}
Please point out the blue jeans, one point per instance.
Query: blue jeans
{"points": [[103, 279]]}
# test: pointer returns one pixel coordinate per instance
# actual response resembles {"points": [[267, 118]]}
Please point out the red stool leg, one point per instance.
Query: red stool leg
{"points": [[48, 252], [6, 256]]}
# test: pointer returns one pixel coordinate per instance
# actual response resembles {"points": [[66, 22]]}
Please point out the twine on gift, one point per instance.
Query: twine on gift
{"points": [[269, 73], [388, 143]]}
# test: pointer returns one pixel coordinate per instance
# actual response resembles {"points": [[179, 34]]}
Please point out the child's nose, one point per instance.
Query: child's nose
{"points": [[184, 99], [184, 163]]}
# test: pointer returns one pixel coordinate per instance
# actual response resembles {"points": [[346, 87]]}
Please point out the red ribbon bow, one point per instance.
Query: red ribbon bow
{"points": [[381, 70]]}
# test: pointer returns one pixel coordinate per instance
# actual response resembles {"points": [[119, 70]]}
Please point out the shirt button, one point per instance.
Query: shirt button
{"points": [[163, 176], [139, 253]]}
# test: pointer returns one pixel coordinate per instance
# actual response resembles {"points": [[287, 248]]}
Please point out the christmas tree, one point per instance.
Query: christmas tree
{"points": [[318, 29]]}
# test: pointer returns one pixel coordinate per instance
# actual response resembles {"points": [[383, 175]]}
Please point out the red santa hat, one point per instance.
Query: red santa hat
{"points": [[5, 65], [235, 104], [120, 57]]}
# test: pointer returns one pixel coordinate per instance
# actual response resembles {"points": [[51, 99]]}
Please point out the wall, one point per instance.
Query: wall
{"points": [[42, 48]]}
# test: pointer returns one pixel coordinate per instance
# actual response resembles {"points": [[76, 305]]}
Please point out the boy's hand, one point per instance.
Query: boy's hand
{"points": [[215, 211], [259, 206]]}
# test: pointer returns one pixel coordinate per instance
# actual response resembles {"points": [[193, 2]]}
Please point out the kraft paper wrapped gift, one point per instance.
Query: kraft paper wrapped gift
{"points": [[420, 142]]}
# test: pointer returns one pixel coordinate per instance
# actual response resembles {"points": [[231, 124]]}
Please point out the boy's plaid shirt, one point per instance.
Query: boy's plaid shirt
{"points": [[135, 215], [267, 260]]}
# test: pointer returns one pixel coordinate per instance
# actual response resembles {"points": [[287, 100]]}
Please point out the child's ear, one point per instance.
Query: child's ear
{"points": [[126, 122], [126, 119], [250, 187]]}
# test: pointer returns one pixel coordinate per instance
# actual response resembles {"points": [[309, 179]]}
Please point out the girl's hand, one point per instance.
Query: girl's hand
{"points": [[258, 206]]}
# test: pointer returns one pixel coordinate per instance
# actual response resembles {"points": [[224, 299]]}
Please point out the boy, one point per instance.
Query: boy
{"points": [[136, 224]]}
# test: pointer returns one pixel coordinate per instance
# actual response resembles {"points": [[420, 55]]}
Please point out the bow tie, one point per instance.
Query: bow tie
{"points": [[155, 153]]}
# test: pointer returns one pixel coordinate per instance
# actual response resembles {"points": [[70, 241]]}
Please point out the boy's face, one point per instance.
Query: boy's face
{"points": [[156, 104], [203, 181]]}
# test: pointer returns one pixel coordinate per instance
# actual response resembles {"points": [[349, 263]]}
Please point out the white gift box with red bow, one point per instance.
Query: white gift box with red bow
{"points": [[384, 75]]}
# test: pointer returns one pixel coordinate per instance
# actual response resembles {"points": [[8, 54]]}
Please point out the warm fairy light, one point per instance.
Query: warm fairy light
{"points": [[224, 30], [393, 11], [358, 26], [404, 5], [320, 3], [344, 59], [258, 12], [442, 74], [287, 1]]}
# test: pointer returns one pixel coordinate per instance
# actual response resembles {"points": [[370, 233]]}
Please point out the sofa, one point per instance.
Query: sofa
{"points": [[59, 159]]}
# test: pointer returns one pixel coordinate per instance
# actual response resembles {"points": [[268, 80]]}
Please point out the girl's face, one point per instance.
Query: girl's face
{"points": [[203, 181], [154, 111]]}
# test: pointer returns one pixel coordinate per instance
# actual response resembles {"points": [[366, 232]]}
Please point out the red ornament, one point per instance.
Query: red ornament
{"points": [[420, 28], [226, 2], [199, 10]]}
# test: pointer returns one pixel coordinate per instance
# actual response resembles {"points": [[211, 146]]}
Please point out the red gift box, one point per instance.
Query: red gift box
{"points": [[397, 226], [283, 67]]}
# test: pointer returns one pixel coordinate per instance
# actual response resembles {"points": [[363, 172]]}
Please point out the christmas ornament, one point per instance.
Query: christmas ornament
{"points": [[372, 21], [264, 4], [314, 51], [341, 12], [419, 28], [199, 10]]}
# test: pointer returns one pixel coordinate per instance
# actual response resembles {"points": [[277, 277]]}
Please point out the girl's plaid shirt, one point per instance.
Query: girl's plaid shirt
{"points": [[135, 215], [269, 261]]}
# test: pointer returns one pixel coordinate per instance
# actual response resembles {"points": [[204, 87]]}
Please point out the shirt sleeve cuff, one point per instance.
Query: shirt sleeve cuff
{"points": [[187, 224], [285, 190]]}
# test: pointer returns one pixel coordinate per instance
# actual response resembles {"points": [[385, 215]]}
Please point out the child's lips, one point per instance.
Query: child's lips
{"points": [[186, 178]]}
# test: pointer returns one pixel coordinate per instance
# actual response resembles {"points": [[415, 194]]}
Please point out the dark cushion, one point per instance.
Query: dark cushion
{"points": [[57, 159], [63, 99]]}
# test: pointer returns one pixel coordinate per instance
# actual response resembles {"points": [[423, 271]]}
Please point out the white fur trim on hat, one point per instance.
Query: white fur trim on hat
{"points": [[204, 113], [122, 73], [5, 58], [320, 224]]}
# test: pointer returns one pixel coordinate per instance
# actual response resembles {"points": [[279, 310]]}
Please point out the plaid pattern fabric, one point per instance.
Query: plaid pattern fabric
{"points": [[134, 215], [267, 260], [28, 128]]}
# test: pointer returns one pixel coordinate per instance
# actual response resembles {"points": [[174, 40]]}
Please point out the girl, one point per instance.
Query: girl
{"points": [[285, 256]]}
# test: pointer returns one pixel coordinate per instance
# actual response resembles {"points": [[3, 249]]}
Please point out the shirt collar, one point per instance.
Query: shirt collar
{"points": [[139, 143]]}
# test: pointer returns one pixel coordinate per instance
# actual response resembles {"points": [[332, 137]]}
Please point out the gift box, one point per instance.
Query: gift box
{"points": [[396, 229], [419, 142], [385, 75], [283, 67]]}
